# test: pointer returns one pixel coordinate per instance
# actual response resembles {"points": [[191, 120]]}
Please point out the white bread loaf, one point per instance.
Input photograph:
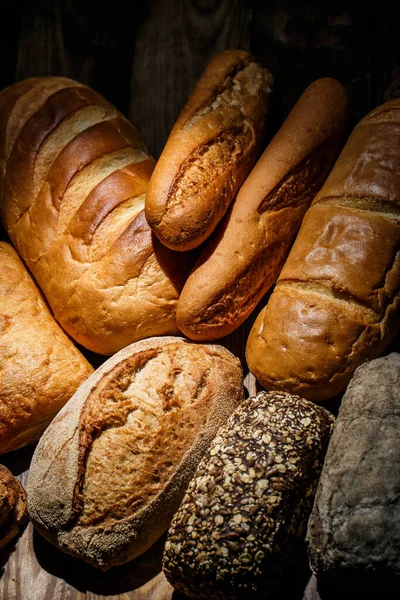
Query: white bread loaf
{"points": [[40, 368], [73, 180]]}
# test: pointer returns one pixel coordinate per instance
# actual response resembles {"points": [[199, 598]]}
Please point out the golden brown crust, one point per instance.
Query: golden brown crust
{"points": [[337, 303], [210, 150], [111, 470], [40, 367], [13, 513], [73, 179], [242, 261]]}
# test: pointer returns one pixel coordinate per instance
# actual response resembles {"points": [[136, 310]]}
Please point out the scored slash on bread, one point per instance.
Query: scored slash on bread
{"points": [[210, 150], [243, 258], [40, 368], [73, 179], [111, 469], [337, 300]]}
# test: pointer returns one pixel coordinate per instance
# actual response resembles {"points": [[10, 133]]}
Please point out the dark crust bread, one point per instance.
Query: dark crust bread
{"points": [[249, 500], [354, 529], [112, 467]]}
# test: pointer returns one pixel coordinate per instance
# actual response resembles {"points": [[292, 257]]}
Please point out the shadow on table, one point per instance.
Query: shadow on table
{"points": [[84, 577]]}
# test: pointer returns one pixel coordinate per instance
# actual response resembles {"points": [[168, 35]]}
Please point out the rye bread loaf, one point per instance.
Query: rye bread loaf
{"points": [[337, 300], [245, 255], [354, 529], [111, 469], [40, 368], [73, 179], [247, 506], [13, 513], [210, 150]]}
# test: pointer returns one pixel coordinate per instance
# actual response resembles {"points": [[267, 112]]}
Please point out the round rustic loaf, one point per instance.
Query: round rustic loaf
{"points": [[248, 503], [111, 469]]}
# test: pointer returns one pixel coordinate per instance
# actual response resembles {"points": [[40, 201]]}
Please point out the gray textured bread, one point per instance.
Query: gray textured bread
{"points": [[40, 368], [210, 151], [111, 469], [242, 260], [337, 300], [247, 505], [13, 513], [73, 180], [354, 529]]}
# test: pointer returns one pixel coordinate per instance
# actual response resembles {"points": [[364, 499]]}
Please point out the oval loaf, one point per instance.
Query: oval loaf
{"points": [[243, 258], [73, 180], [112, 468], [247, 506], [211, 149], [336, 303], [40, 368]]}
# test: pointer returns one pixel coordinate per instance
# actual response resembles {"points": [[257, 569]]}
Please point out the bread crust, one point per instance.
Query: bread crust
{"points": [[336, 303], [73, 179], [13, 513], [211, 149], [39, 365], [111, 469], [243, 259]]}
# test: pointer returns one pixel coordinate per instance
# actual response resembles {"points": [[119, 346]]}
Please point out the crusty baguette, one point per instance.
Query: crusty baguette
{"points": [[211, 149], [40, 368], [244, 257], [336, 303], [354, 529], [73, 179], [111, 469]]}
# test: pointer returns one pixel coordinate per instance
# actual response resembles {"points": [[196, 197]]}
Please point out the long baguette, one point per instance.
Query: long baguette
{"points": [[242, 261], [336, 303], [210, 150]]}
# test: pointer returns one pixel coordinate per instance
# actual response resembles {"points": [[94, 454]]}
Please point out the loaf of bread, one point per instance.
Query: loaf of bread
{"points": [[40, 368], [336, 303], [247, 506], [354, 529], [13, 513], [210, 151], [243, 258], [112, 468], [73, 180]]}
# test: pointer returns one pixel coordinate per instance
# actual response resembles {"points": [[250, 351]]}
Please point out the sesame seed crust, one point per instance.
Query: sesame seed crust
{"points": [[250, 498]]}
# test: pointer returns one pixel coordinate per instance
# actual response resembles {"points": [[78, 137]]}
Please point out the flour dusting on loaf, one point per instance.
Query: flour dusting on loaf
{"points": [[111, 470]]}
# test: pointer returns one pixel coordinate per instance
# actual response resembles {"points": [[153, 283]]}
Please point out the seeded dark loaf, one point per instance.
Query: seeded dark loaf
{"points": [[12, 507], [354, 529], [248, 503], [337, 300], [243, 258], [112, 467], [40, 368], [73, 179], [210, 151]]}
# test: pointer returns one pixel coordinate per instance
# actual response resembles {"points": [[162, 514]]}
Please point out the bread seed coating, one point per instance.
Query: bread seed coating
{"points": [[250, 498]]}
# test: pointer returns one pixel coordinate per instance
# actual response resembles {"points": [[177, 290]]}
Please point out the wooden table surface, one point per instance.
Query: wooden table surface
{"points": [[145, 57]]}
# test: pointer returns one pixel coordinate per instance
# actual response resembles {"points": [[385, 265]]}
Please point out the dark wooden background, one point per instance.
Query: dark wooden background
{"points": [[145, 57]]}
